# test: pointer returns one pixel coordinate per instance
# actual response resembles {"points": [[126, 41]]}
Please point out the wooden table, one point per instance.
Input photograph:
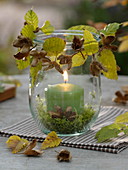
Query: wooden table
{"points": [[17, 109]]}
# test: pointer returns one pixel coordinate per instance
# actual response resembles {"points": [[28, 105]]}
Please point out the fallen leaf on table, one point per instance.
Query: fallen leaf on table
{"points": [[120, 98], [64, 155], [125, 89], [16, 143], [52, 140], [29, 151]]}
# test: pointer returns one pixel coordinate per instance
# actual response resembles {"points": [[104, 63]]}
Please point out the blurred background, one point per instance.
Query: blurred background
{"points": [[62, 14]]}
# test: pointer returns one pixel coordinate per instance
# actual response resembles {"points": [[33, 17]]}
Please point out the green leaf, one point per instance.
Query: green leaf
{"points": [[27, 31], [78, 60], [110, 29], [91, 46], [107, 59], [123, 118], [1, 88], [84, 27], [108, 132], [31, 18], [47, 28], [22, 64], [53, 46], [126, 131], [33, 73]]}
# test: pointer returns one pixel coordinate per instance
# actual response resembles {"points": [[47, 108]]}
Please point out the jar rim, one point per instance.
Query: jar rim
{"points": [[40, 36]]}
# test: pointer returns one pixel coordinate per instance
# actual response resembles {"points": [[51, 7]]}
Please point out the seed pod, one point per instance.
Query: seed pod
{"points": [[96, 67], [77, 43], [64, 155], [113, 47], [57, 67], [43, 53], [36, 30], [20, 55], [45, 60], [49, 66], [25, 49], [69, 65], [107, 40], [34, 62], [34, 53]]}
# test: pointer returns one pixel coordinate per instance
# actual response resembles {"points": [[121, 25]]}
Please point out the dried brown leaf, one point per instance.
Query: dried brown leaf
{"points": [[29, 149], [33, 153]]}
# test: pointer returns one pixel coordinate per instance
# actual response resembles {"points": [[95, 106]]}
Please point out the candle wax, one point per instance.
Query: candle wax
{"points": [[65, 95]]}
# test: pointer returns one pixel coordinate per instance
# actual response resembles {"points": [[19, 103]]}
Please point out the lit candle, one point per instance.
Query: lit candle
{"points": [[65, 95]]}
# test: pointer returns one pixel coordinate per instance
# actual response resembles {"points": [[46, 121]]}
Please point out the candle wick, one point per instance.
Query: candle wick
{"points": [[65, 82]]}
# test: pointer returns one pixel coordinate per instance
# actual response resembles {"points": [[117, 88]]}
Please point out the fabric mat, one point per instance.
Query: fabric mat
{"points": [[28, 129]]}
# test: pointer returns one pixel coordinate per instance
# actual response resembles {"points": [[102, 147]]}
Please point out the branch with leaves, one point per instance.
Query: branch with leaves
{"points": [[120, 126], [97, 44]]}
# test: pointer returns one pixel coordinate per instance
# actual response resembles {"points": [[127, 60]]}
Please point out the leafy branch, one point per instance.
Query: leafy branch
{"points": [[97, 44], [120, 126]]}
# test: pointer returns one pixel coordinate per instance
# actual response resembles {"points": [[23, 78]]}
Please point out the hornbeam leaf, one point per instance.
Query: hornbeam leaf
{"points": [[126, 131], [78, 59], [108, 132], [34, 71], [31, 18], [91, 46], [110, 29], [47, 28], [22, 64], [52, 140], [124, 24], [2, 88], [123, 118], [27, 31], [107, 59], [16, 143], [84, 27], [123, 46], [53, 46]]}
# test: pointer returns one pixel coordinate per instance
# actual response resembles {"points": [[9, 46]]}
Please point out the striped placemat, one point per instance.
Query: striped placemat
{"points": [[28, 129]]}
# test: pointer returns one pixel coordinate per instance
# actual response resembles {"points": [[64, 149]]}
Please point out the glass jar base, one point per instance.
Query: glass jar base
{"points": [[75, 134]]}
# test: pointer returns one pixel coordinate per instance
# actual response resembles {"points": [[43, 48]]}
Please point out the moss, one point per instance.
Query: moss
{"points": [[62, 125]]}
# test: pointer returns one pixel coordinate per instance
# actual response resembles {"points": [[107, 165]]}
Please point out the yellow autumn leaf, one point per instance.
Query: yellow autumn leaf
{"points": [[107, 59], [124, 24], [78, 59], [91, 46], [123, 46], [47, 28], [16, 143], [52, 140], [54, 45], [123, 38]]}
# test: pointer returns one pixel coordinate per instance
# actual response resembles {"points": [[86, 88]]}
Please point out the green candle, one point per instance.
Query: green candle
{"points": [[65, 95]]}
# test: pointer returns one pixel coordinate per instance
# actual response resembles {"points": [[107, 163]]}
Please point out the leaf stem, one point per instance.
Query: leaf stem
{"points": [[82, 54]]}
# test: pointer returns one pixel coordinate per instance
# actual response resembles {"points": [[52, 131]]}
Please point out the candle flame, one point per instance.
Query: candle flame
{"points": [[65, 75]]}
